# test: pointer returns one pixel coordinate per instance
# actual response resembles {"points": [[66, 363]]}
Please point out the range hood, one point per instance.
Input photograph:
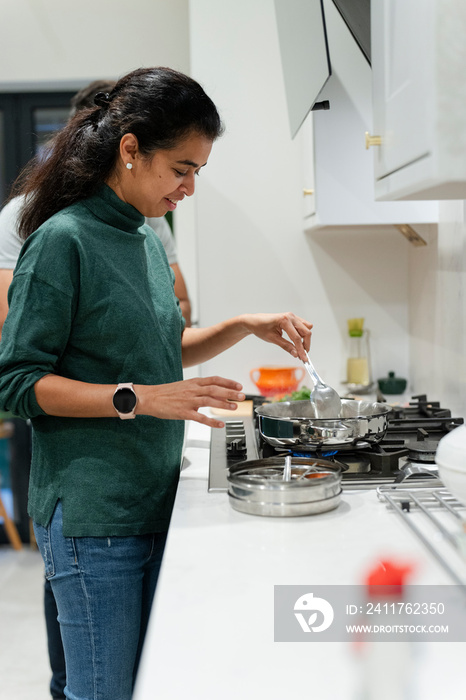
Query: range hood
{"points": [[357, 15], [304, 54], [306, 61]]}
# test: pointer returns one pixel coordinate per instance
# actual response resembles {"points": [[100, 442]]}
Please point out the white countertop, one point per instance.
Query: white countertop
{"points": [[211, 633]]}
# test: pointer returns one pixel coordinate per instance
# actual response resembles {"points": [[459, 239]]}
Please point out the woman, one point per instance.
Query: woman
{"points": [[94, 335]]}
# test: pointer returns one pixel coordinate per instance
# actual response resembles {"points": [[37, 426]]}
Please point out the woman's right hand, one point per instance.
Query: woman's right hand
{"points": [[182, 400]]}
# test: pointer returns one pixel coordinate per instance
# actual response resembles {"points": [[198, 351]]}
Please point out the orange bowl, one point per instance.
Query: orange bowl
{"points": [[277, 381]]}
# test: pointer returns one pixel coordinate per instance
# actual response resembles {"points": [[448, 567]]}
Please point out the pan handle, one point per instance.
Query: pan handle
{"points": [[337, 432]]}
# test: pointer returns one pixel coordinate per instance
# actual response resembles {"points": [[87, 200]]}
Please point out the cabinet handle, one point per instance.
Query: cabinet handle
{"points": [[372, 140], [305, 192]]}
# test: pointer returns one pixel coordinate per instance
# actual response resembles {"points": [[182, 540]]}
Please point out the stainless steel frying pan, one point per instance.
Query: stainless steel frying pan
{"points": [[294, 423]]}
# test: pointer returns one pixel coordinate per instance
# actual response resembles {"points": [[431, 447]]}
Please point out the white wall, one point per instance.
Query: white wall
{"points": [[252, 252], [240, 238], [437, 303], [62, 43]]}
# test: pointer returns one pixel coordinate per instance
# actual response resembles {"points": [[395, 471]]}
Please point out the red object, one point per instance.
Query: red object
{"points": [[387, 578], [277, 381]]}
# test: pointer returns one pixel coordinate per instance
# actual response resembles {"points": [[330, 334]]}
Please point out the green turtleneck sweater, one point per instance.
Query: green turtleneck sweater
{"points": [[92, 299]]}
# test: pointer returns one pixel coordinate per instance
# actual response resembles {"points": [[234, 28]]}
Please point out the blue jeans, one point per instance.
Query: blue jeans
{"points": [[103, 587], [55, 645]]}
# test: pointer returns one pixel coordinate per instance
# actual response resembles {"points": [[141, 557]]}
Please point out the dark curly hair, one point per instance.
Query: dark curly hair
{"points": [[160, 106]]}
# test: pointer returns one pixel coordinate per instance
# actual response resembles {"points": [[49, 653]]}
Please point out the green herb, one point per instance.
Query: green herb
{"points": [[303, 394]]}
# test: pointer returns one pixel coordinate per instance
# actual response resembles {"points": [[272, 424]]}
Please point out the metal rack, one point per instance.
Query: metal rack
{"points": [[442, 517]]}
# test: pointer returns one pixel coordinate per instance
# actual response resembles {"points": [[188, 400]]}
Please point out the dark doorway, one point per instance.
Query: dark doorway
{"points": [[27, 120]]}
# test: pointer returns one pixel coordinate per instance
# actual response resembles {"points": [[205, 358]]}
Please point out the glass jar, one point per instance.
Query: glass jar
{"points": [[358, 364]]}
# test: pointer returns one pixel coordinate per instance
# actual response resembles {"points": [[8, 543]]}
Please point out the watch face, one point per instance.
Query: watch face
{"points": [[124, 400]]}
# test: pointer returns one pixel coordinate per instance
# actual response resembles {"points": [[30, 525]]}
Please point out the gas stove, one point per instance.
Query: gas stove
{"points": [[407, 451]]}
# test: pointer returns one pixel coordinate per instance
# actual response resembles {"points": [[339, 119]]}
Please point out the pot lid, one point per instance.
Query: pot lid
{"points": [[270, 471]]}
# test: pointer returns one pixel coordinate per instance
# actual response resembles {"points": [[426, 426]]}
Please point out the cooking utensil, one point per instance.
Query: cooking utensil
{"points": [[287, 470], [309, 470], [297, 424], [258, 487], [325, 399]]}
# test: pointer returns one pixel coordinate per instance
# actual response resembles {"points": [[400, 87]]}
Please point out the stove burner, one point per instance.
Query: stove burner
{"points": [[355, 464], [407, 450], [319, 455], [422, 451], [322, 452]]}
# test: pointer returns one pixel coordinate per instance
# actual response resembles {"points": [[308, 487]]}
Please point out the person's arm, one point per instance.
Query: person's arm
{"points": [[10, 246], [59, 396], [201, 344], [5, 280], [161, 227], [181, 294]]}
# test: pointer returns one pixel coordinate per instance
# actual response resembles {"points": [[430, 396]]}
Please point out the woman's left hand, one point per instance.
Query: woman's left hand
{"points": [[271, 327]]}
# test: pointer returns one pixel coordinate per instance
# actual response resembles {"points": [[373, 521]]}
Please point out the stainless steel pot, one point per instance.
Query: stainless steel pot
{"points": [[294, 424], [258, 487]]}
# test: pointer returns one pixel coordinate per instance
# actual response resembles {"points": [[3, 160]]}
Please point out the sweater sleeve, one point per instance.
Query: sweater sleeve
{"points": [[34, 336], [36, 331]]}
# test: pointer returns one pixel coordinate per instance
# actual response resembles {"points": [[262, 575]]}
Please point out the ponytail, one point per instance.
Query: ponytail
{"points": [[158, 105]]}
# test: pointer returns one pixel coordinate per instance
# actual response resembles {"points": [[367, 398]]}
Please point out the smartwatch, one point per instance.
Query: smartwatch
{"points": [[125, 400]]}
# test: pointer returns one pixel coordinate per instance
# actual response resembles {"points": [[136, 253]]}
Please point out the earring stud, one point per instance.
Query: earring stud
{"points": [[129, 166]]}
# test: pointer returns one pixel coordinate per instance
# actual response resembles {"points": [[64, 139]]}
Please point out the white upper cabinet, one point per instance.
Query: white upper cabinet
{"points": [[305, 140], [336, 164], [419, 98]]}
